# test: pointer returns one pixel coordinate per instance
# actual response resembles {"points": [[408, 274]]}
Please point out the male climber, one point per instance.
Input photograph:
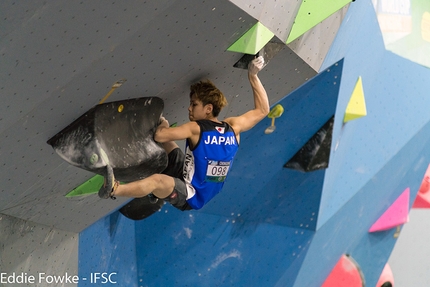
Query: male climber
{"points": [[194, 178]]}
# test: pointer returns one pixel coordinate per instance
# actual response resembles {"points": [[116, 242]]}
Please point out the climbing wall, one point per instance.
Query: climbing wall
{"points": [[288, 218], [60, 59], [279, 219]]}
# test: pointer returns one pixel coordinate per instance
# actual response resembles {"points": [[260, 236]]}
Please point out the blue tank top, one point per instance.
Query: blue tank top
{"points": [[208, 163]]}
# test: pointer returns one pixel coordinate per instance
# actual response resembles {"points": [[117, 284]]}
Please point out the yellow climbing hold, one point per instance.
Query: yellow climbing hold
{"points": [[276, 112], [357, 105], [120, 108]]}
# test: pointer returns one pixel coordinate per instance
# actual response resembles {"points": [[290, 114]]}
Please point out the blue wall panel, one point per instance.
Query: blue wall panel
{"points": [[362, 147], [197, 249], [360, 43], [291, 198], [108, 249], [257, 173], [347, 231]]}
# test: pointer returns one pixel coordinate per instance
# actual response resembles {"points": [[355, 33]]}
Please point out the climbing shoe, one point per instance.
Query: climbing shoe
{"points": [[110, 184]]}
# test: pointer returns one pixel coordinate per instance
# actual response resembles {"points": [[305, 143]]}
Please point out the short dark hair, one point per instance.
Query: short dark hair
{"points": [[208, 93]]}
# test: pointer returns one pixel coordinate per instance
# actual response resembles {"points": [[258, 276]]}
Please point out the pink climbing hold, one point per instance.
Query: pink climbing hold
{"points": [[395, 215], [386, 277], [346, 272], [423, 196], [422, 200]]}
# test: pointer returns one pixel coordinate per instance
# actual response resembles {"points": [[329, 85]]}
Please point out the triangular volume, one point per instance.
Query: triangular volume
{"points": [[395, 215], [345, 273], [423, 197], [357, 105], [315, 153], [311, 13], [253, 40], [89, 187]]}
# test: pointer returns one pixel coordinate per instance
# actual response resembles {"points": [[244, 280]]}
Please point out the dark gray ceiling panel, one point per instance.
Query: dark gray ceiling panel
{"points": [[60, 58]]}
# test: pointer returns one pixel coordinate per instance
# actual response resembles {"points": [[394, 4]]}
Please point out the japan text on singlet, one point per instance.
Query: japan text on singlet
{"points": [[207, 165]]}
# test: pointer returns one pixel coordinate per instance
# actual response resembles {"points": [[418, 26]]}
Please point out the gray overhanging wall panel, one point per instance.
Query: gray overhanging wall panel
{"points": [[31, 248], [283, 74], [62, 60], [44, 203], [59, 42], [277, 16], [314, 45]]}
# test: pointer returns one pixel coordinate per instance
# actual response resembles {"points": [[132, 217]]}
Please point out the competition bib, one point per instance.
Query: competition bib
{"points": [[217, 170]]}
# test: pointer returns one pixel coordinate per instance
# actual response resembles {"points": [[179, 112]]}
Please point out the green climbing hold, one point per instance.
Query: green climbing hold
{"points": [[311, 13], [253, 40], [89, 187]]}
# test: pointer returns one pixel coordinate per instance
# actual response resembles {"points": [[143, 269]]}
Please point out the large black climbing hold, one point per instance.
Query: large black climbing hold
{"points": [[140, 208], [119, 134], [268, 52], [315, 154]]}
